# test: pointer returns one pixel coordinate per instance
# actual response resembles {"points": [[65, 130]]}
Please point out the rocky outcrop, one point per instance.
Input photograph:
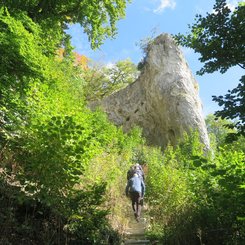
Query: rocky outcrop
{"points": [[164, 100]]}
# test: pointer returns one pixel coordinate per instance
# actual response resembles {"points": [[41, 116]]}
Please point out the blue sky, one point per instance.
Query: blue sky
{"points": [[145, 18]]}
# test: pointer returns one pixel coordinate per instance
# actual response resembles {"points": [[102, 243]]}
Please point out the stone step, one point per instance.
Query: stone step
{"points": [[134, 237], [135, 242], [135, 232]]}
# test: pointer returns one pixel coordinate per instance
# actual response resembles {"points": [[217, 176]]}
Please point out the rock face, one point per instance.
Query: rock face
{"points": [[164, 100]]}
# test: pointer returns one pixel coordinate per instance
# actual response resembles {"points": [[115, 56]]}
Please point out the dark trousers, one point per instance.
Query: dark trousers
{"points": [[135, 198]]}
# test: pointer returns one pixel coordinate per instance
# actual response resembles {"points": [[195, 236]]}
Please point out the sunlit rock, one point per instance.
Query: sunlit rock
{"points": [[164, 100]]}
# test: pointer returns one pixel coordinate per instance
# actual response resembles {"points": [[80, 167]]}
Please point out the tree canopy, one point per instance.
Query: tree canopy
{"points": [[105, 80], [31, 32], [98, 18], [219, 39]]}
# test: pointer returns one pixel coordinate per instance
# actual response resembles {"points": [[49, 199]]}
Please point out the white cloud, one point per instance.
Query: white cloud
{"points": [[163, 5]]}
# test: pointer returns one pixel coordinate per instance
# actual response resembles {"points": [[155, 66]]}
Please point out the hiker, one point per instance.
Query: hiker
{"points": [[131, 172], [139, 171], [135, 169], [135, 189]]}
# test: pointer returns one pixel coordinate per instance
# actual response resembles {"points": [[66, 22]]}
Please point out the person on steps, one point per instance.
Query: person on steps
{"points": [[139, 171], [131, 172], [135, 189], [137, 168]]}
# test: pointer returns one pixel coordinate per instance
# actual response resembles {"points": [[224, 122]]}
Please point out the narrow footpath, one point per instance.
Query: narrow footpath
{"points": [[135, 232]]}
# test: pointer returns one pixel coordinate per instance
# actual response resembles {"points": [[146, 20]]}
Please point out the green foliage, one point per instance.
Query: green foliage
{"points": [[166, 189], [21, 60], [49, 140], [233, 107], [194, 196], [123, 73], [54, 147], [98, 18], [31, 220], [218, 129], [20, 47], [219, 39], [32, 32], [54, 151], [224, 195], [101, 82]]}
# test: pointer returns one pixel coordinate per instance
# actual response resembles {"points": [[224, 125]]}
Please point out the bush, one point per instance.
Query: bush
{"points": [[195, 198]]}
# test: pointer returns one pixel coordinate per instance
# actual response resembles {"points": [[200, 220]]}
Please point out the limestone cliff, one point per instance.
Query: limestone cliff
{"points": [[164, 100]]}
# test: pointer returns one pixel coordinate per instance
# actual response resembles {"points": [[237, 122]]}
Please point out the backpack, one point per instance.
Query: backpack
{"points": [[130, 173], [135, 169]]}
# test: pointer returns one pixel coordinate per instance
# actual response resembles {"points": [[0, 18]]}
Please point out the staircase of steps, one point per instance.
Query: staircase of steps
{"points": [[135, 232]]}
